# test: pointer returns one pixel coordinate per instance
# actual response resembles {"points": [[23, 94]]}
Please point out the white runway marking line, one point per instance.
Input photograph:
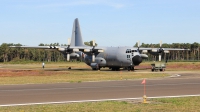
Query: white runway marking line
{"points": [[175, 75], [100, 100]]}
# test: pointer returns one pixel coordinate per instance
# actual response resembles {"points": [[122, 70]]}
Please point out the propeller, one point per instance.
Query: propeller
{"points": [[160, 50], [167, 56], [93, 56], [138, 45], [93, 50], [67, 51]]}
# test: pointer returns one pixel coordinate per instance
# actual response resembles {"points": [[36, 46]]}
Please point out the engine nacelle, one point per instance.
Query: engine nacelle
{"points": [[74, 56], [166, 51], [144, 51], [52, 47], [154, 50], [144, 56], [100, 61]]}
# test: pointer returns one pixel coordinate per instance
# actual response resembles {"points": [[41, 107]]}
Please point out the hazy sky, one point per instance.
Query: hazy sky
{"points": [[109, 22]]}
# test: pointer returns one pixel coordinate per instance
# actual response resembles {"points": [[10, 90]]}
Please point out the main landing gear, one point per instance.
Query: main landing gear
{"points": [[131, 68], [115, 69]]}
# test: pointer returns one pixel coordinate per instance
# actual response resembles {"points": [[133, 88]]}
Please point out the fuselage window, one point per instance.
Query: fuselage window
{"points": [[134, 50]]}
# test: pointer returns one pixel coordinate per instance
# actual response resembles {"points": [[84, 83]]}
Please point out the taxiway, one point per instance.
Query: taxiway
{"points": [[94, 91]]}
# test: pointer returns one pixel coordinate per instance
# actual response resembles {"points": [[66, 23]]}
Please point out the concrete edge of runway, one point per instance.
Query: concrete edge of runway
{"points": [[100, 100]]}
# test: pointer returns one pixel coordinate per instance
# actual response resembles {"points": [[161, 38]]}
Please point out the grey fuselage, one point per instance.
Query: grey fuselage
{"points": [[115, 57]]}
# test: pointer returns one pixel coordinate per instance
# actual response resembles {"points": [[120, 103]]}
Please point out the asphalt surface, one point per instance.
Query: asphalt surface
{"points": [[39, 93]]}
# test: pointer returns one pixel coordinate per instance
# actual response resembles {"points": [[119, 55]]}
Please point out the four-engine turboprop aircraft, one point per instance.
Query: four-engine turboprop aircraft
{"points": [[98, 57]]}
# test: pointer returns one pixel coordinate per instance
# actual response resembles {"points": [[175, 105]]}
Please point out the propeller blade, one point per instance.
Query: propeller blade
{"points": [[159, 57], [93, 42], [138, 44], [68, 41], [160, 43], [68, 57], [93, 58], [166, 58]]}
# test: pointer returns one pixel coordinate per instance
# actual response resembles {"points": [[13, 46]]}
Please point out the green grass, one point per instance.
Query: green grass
{"points": [[78, 76], [187, 104], [57, 72]]}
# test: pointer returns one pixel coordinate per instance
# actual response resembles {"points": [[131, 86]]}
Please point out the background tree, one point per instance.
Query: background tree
{"points": [[9, 54]]}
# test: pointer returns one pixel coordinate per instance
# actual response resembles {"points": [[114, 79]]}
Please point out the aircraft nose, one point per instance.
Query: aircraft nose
{"points": [[136, 60]]}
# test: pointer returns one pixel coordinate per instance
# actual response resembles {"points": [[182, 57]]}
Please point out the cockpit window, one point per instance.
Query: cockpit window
{"points": [[134, 50], [128, 51]]}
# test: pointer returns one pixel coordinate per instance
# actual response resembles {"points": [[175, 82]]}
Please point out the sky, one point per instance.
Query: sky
{"points": [[108, 22]]}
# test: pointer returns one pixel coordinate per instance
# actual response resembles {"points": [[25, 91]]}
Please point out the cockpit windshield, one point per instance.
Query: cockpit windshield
{"points": [[130, 51]]}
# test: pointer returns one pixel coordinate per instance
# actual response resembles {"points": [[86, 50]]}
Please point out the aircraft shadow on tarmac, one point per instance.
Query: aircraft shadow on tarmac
{"points": [[88, 69]]}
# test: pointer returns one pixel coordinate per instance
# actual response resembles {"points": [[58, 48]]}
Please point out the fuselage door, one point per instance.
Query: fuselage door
{"points": [[128, 54]]}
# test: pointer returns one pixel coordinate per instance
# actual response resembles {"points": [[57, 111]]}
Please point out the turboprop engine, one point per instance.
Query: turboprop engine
{"points": [[76, 55]]}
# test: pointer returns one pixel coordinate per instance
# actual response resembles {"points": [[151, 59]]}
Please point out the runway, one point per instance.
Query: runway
{"points": [[92, 91]]}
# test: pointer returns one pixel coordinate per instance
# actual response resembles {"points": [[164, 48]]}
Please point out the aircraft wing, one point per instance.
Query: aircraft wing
{"points": [[65, 48], [36, 47], [175, 49], [168, 49], [84, 49], [159, 50]]}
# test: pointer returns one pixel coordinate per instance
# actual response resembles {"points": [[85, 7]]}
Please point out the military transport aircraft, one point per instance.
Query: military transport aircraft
{"points": [[98, 57]]}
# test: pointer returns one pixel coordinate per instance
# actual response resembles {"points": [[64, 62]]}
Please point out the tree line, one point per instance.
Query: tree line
{"points": [[9, 54]]}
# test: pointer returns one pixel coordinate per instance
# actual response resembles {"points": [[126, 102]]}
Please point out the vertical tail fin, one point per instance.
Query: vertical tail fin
{"points": [[76, 39]]}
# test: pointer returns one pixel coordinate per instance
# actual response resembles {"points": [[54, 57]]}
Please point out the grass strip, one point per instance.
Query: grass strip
{"points": [[78, 76], [186, 104]]}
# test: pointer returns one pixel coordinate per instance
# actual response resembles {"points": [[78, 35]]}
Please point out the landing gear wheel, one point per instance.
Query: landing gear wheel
{"points": [[152, 70], [115, 69], [129, 68], [94, 69], [132, 68]]}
